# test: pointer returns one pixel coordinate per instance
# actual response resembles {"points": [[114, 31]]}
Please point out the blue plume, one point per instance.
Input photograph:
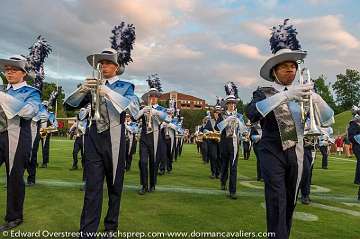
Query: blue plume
{"points": [[284, 37], [154, 82], [38, 52], [122, 41]]}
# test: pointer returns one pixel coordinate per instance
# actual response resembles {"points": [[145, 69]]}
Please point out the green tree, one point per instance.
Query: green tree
{"points": [[347, 89], [324, 91], [192, 118]]}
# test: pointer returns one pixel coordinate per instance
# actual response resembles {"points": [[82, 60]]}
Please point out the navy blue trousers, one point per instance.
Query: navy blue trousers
{"points": [[280, 172]]}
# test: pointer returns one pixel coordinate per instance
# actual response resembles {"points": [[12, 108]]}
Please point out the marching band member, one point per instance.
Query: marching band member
{"points": [[308, 163], [151, 117], [169, 135], [204, 144], [255, 137], [212, 145], [132, 129], [78, 129], [171, 141], [324, 141], [47, 126], [245, 139], [104, 143], [177, 134], [19, 104], [354, 137], [231, 125], [41, 116], [181, 132], [281, 146], [197, 138]]}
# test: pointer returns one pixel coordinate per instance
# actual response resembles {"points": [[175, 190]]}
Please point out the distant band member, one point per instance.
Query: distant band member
{"points": [[354, 137], [151, 117], [231, 125]]}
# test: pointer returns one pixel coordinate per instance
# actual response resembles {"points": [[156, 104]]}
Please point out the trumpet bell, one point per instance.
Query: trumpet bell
{"points": [[312, 132]]}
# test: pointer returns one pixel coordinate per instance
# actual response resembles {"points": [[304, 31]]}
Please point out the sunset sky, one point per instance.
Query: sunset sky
{"points": [[194, 46]]}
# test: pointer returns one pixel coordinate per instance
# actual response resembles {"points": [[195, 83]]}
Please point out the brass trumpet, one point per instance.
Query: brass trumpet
{"points": [[213, 135], [45, 131]]}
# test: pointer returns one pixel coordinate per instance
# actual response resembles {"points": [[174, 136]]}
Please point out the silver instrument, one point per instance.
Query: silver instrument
{"points": [[232, 126], [95, 93], [311, 128], [149, 127]]}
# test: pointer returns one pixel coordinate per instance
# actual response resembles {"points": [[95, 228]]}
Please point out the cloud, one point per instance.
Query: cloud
{"points": [[231, 72], [258, 29], [317, 2], [328, 31], [245, 50]]}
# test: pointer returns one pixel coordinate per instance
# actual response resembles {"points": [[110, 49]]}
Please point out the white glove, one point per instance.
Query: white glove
{"points": [[87, 85], [299, 92], [147, 109], [154, 112], [230, 118]]}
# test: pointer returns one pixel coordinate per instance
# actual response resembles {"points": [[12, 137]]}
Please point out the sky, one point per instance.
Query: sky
{"points": [[195, 46]]}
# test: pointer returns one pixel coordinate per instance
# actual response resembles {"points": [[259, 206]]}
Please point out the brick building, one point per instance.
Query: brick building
{"points": [[184, 101]]}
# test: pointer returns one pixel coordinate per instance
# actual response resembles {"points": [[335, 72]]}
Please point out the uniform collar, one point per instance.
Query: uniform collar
{"points": [[112, 79], [279, 87], [16, 86], [230, 113], [155, 106]]}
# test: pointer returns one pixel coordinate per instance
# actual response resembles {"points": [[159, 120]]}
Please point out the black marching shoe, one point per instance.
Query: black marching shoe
{"points": [[305, 200], [233, 196], [142, 191], [82, 187], [74, 168], [152, 189], [44, 165], [359, 194], [212, 176], [30, 184], [223, 187], [10, 225]]}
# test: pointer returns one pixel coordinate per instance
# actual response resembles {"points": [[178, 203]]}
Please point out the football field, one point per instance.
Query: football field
{"points": [[188, 201]]}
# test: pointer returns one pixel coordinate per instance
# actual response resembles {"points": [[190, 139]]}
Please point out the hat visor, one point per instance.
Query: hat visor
{"points": [[94, 59], [265, 71], [7, 62], [151, 92]]}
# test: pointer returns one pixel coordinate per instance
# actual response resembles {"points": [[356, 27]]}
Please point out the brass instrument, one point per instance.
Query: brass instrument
{"points": [[95, 93], [246, 136], [312, 129], [212, 135], [45, 131], [200, 137], [149, 127], [232, 127]]}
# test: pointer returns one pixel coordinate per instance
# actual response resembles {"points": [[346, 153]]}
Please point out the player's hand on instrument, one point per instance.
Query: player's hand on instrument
{"points": [[299, 92], [88, 84]]}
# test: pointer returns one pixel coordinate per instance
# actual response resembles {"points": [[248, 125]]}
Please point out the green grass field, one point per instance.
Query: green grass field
{"points": [[189, 200], [342, 122]]}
